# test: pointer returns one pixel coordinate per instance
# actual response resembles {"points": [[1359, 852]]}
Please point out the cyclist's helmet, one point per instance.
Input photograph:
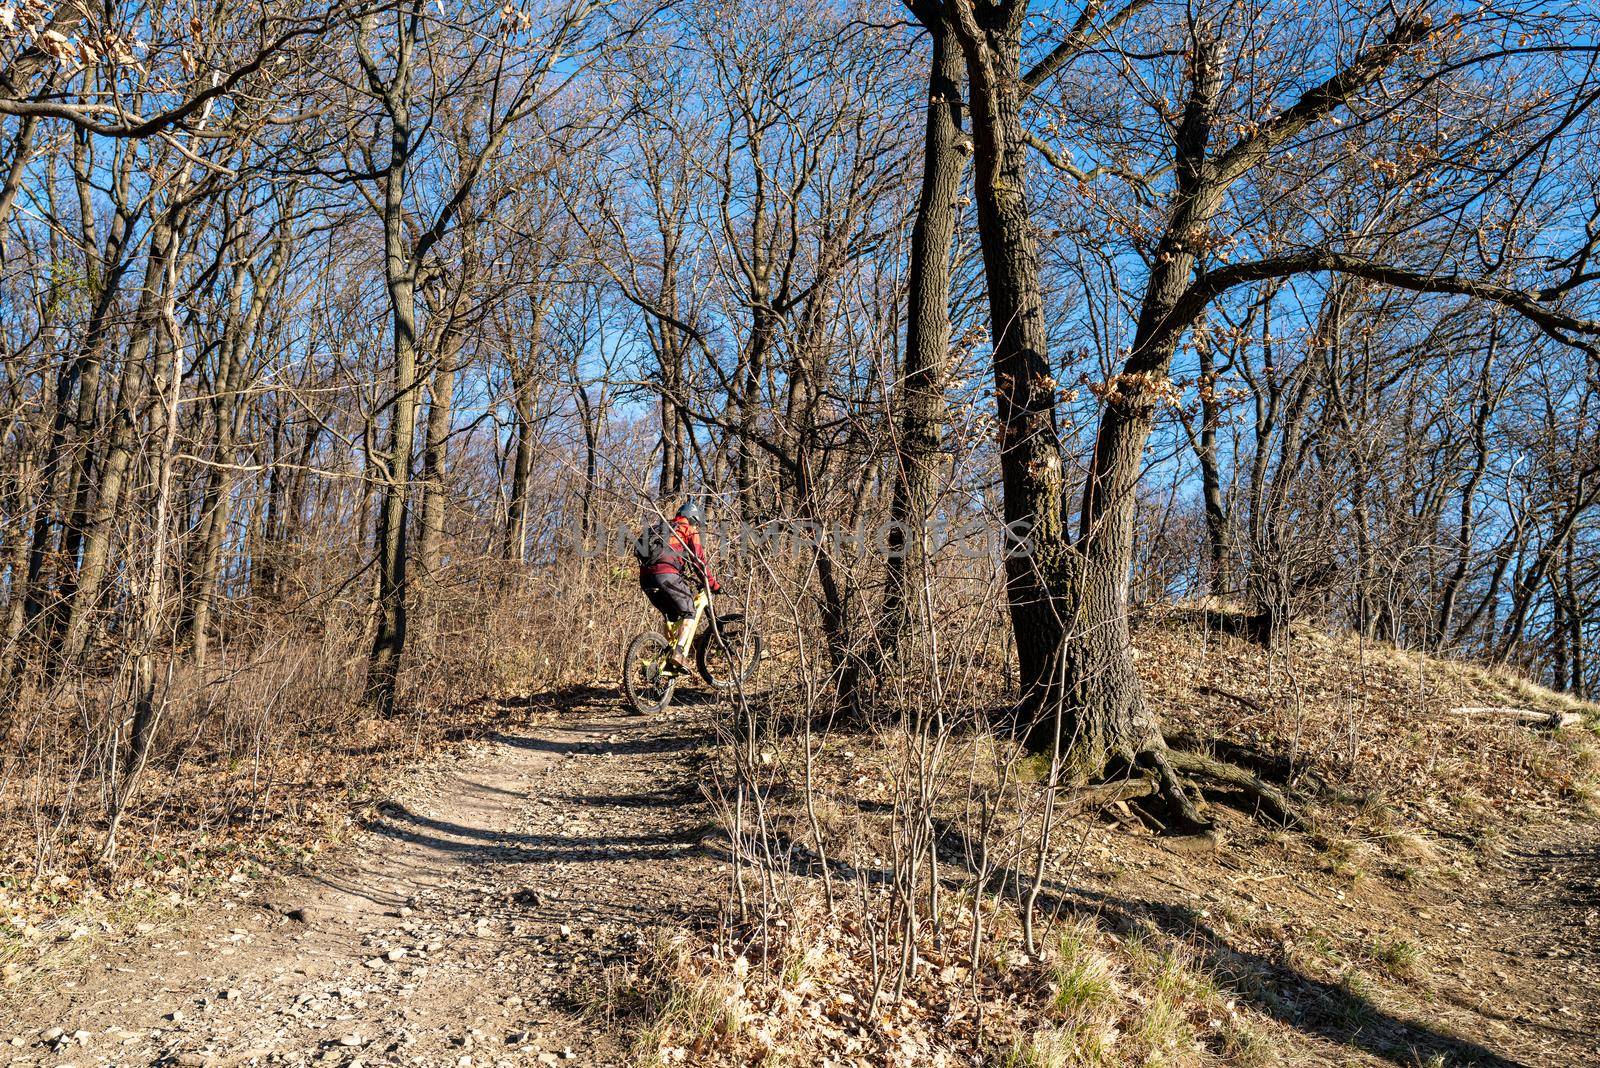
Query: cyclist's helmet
{"points": [[691, 511]]}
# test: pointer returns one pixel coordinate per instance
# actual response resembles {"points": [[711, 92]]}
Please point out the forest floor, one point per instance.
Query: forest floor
{"points": [[467, 923]]}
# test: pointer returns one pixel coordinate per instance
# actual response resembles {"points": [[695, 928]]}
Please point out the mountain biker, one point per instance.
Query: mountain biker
{"points": [[672, 574]]}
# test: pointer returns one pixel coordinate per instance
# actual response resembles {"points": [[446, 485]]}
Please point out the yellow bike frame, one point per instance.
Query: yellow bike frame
{"points": [[683, 641]]}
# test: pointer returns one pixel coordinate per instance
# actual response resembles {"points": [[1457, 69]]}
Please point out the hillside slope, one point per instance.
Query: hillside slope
{"points": [[1439, 906], [559, 893]]}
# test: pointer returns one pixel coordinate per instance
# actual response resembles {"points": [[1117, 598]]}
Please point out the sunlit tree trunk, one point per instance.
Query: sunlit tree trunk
{"points": [[921, 396], [441, 402]]}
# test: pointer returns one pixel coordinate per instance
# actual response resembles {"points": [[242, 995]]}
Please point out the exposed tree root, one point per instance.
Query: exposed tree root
{"points": [[1157, 779], [1099, 795], [1183, 815], [1555, 721], [1151, 778], [1218, 691], [1272, 801]]}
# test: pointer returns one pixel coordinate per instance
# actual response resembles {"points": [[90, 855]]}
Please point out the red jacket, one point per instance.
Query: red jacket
{"points": [[685, 541]]}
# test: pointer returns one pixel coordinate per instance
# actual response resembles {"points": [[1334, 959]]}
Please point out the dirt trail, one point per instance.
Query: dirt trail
{"points": [[1543, 958], [1512, 959], [450, 931]]}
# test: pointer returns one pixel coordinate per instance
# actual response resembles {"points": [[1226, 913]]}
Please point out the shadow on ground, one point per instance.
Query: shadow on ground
{"points": [[1341, 1013], [561, 699], [1333, 1011]]}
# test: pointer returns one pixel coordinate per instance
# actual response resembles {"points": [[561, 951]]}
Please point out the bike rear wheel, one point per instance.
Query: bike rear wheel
{"points": [[729, 654], [648, 684]]}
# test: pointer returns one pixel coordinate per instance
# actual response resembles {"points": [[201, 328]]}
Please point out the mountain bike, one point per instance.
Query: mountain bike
{"points": [[726, 651]]}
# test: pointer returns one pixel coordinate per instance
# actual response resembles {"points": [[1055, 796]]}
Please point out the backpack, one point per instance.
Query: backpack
{"points": [[653, 546]]}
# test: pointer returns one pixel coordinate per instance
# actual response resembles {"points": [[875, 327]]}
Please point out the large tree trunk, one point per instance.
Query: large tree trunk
{"points": [[21, 151], [1104, 709], [21, 488], [389, 637], [215, 509], [76, 408], [1466, 524], [592, 415], [521, 471], [388, 645], [922, 380], [1573, 636], [747, 465], [522, 405], [216, 503], [265, 562], [167, 388], [670, 352], [282, 514], [441, 402], [1081, 697], [1217, 579], [99, 528], [801, 474], [1030, 451], [1560, 663]]}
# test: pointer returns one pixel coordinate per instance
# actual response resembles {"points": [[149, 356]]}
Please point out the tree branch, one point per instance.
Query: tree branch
{"points": [[1076, 173], [1318, 101], [1082, 36], [1553, 321], [139, 126]]}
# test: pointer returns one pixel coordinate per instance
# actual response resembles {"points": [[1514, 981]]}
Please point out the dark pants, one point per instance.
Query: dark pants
{"points": [[670, 594]]}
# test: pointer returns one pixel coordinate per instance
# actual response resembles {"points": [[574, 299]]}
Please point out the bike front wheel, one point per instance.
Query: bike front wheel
{"points": [[644, 676], [729, 654]]}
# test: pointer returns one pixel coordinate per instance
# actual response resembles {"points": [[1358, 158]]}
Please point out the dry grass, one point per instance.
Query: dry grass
{"points": [[1089, 998], [669, 1001], [246, 783], [1398, 957]]}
